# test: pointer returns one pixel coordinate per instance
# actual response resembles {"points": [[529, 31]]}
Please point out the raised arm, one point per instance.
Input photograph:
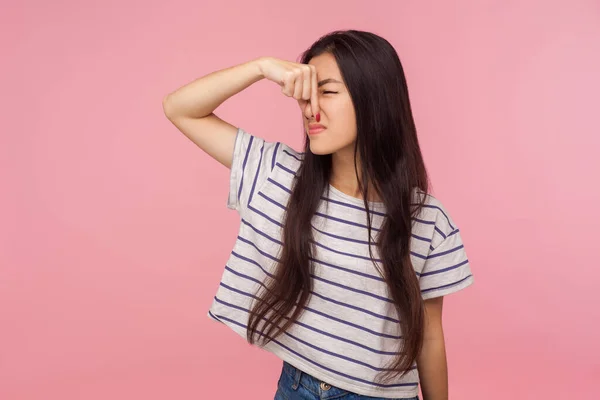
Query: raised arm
{"points": [[190, 108]]}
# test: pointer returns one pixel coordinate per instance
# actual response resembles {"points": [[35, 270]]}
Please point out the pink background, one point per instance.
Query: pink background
{"points": [[114, 226]]}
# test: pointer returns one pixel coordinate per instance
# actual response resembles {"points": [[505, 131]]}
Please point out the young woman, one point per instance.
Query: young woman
{"points": [[343, 257]]}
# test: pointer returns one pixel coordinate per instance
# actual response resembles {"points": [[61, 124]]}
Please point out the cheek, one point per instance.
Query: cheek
{"points": [[345, 123], [340, 114]]}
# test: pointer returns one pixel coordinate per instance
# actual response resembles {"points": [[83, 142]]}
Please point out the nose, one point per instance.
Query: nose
{"points": [[306, 109]]}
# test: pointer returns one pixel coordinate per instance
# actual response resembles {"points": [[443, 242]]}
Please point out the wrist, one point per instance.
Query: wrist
{"points": [[258, 63]]}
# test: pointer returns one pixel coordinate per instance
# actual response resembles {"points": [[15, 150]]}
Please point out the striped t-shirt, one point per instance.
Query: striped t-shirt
{"points": [[349, 330]]}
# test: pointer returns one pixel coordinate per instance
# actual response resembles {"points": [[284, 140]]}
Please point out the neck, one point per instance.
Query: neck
{"points": [[343, 175]]}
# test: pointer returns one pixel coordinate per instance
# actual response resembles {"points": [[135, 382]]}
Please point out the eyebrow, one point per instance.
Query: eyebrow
{"points": [[329, 80]]}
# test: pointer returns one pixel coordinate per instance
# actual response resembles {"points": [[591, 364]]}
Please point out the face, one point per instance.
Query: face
{"points": [[336, 109]]}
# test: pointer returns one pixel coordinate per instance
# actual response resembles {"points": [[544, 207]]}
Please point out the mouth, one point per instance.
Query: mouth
{"points": [[315, 131]]}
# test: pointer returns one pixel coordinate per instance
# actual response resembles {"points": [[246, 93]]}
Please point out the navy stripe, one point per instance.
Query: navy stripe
{"points": [[440, 232], [412, 253], [281, 186], [442, 211], [302, 324], [362, 257], [324, 198], [316, 277], [265, 216], [330, 234], [251, 261], [343, 221], [359, 207], [331, 353], [275, 155], [214, 317], [362, 328], [331, 317], [324, 297], [443, 253], [378, 212], [422, 221], [356, 308], [387, 353], [248, 277], [454, 232], [261, 232], [371, 243], [244, 165], [286, 169], [319, 261], [346, 254], [328, 299], [362, 208], [248, 241], [292, 155], [322, 366], [376, 296], [421, 238], [437, 271], [257, 173], [445, 286], [344, 238], [272, 201], [341, 203], [226, 286], [274, 182], [251, 243], [383, 214], [377, 278], [319, 214]]}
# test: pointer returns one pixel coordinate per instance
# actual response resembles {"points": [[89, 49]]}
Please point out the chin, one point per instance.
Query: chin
{"points": [[320, 149], [324, 147]]}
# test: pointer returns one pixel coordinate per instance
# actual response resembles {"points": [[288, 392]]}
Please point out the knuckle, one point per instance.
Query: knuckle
{"points": [[289, 74]]}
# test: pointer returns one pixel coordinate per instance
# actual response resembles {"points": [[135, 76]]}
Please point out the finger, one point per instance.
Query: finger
{"points": [[314, 98], [288, 86], [298, 85], [306, 85], [302, 104]]}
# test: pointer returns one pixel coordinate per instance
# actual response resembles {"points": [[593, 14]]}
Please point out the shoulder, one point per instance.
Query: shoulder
{"points": [[275, 154], [436, 216]]}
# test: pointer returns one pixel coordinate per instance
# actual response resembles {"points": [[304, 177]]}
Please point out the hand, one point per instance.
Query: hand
{"points": [[296, 80]]}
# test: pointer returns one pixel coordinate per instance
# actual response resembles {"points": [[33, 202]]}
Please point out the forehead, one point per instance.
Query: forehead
{"points": [[326, 66]]}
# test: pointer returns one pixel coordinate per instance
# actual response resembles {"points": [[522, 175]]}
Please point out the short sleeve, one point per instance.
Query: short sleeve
{"points": [[252, 162], [446, 269]]}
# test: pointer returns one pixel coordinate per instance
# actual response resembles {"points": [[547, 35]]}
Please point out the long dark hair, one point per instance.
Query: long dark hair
{"points": [[390, 161]]}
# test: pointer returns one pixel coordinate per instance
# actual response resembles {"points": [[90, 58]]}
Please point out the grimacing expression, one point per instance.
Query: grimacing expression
{"points": [[336, 109]]}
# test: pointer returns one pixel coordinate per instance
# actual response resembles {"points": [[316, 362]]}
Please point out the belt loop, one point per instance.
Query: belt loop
{"points": [[297, 378]]}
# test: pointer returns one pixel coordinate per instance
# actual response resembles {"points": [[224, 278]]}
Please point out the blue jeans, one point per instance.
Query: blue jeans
{"points": [[297, 385]]}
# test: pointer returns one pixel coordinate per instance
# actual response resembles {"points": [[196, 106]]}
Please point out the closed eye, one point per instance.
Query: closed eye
{"points": [[328, 92]]}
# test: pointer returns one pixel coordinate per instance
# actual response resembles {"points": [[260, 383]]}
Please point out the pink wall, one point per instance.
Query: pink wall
{"points": [[108, 255]]}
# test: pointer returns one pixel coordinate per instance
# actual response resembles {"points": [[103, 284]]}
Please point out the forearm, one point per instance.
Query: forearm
{"points": [[433, 369], [201, 97]]}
